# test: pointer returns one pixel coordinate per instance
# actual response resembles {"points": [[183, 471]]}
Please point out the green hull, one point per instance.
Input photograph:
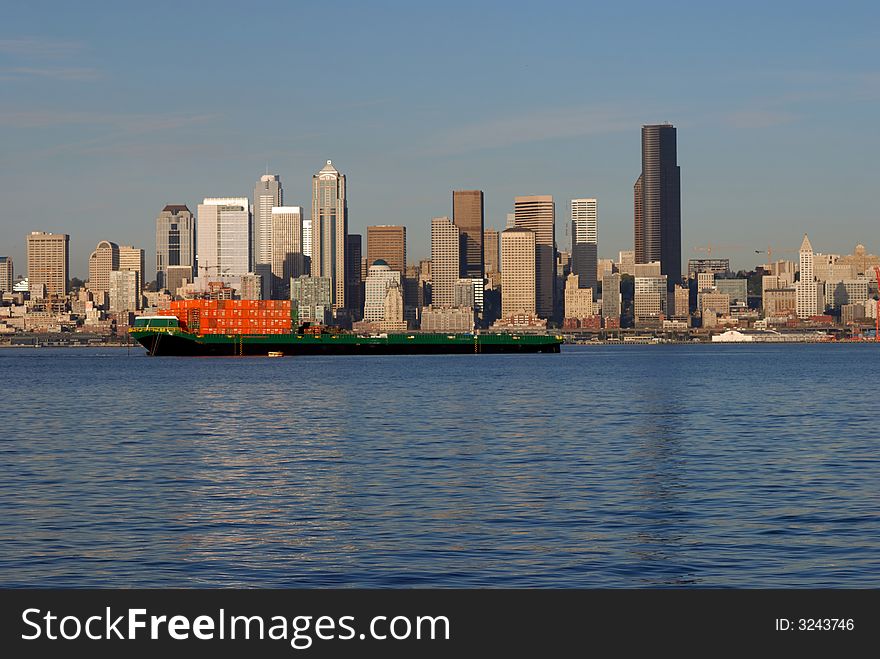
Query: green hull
{"points": [[176, 342]]}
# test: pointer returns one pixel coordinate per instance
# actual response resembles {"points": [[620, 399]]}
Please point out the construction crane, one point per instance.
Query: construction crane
{"points": [[770, 251], [708, 248]]}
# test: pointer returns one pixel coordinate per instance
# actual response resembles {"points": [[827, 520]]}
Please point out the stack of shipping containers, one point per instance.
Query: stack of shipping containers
{"points": [[233, 316]]}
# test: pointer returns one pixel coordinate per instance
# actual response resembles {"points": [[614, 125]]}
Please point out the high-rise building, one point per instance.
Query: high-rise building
{"points": [[329, 228], [123, 289], [176, 276], [518, 263], [649, 301], [467, 215], [388, 243], [611, 295], [132, 258], [491, 255], [538, 213], [6, 274], [807, 286], [445, 265], [657, 207], [175, 240], [380, 277], [103, 261], [267, 195], [354, 291], [307, 242], [251, 287], [578, 301], [288, 259], [223, 238], [585, 241], [313, 297]]}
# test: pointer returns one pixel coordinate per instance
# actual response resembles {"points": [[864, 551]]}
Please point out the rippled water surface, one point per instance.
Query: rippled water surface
{"points": [[603, 466]]}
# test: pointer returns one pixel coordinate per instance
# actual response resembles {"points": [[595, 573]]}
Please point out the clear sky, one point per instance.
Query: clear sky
{"points": [[109, 111]]}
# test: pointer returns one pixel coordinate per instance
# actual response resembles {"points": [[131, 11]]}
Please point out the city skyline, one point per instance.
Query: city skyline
{"points": [[117, 144]]}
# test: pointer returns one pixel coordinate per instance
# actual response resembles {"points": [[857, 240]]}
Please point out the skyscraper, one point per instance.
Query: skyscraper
{"points": [[288, 259], [657, 202], [267, 195], [585, 241], [132, 258], [388, 243], [223, 237], [445, 264], [491, 255], [467, 215], [103, 261], [518, 263], [807, 287], [175, 240], [353, 281], [538, 213], [48, 257], [329, 228], [6, 274]]}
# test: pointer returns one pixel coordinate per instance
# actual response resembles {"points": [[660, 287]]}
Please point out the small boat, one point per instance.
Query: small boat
{"points": [[276, 353]]}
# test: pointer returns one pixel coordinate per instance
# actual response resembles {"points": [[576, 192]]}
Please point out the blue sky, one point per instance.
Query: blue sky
{"points": [[109, 111]]}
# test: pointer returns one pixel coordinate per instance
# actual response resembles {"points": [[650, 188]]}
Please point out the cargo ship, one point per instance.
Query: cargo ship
{"points": [[227, 328]]}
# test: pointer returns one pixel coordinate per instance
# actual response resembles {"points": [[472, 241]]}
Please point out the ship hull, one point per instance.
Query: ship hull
{"points": [[184, 344]]}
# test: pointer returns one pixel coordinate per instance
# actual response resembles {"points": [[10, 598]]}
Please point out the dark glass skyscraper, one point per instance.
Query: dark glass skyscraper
{"points": [[657, 207]]}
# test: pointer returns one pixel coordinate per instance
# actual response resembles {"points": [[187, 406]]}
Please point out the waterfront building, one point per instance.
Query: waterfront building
{"points": [[779, 302], [852, 313], [807, 287], [657, 202], [447, 319], [175, 241], [585, 241], [611, 295], [7, 275], [537, 213], [329, 229], [288, 260], [681, 303], [649, 303], [518, 286], [223, 238], [380, 277], [132, 258], [313, 297], [445, 265], [124, 293], [467, 215], [578, 301], [491, 254], [103, 261], [388, 243]]}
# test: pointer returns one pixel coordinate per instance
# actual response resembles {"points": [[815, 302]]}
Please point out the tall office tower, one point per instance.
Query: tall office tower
{"points": [[354, 281], [611, 295], [387, 243], [6, 274], [518, 272], [288, 259], [175, 240], [538, 213], [132, 258], [585, 241], [491, 255], [223, 237], [123, 291], [103, 261], [807, 287], [329, 228], [267, 195], [657, 207], [48, 258], [467, 215], [445, 264]]}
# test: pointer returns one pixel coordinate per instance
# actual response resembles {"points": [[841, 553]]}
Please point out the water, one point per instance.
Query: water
{"points": [[609, 466]]}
